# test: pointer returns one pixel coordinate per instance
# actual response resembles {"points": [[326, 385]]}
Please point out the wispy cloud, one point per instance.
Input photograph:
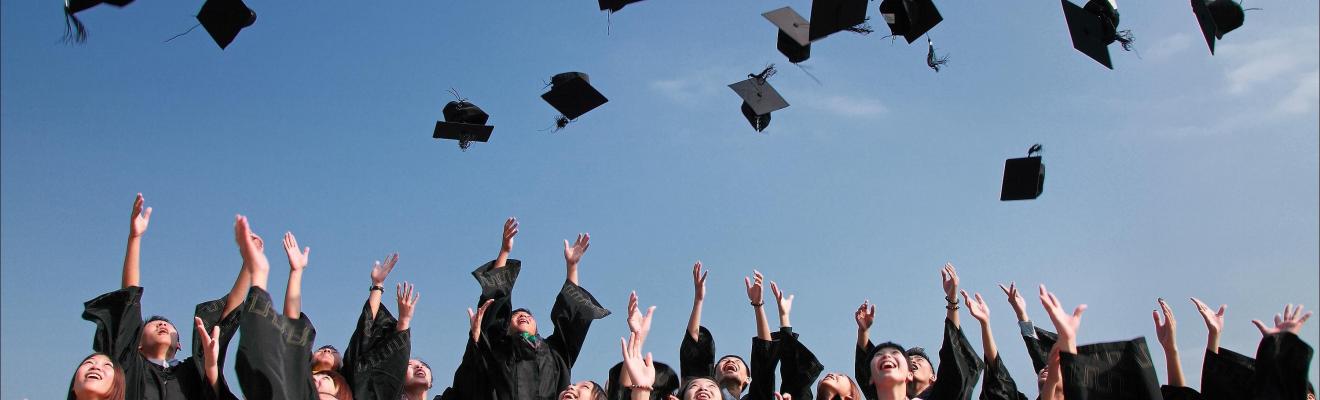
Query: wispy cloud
{"points": [[694, 87], [1170, 46], [846, 106], [1305, 97], [1280, 59]]}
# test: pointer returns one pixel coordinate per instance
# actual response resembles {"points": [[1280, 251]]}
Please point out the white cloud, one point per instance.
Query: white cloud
{"points": [[1280, 59], [1170, 46], [847, 106], [1305, 97], [692, 88]]}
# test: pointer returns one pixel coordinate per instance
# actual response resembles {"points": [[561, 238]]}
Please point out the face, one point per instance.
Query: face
{"points": [[835, 385], [325, 385], [578, 391], [522, 322], [158, 333], [731, 368], [890, 366], [324, 358], [95, 377], [702, 389], [921, 369], [419, 375]]}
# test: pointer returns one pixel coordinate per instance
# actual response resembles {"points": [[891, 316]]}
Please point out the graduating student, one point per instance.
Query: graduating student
{"points": [[960, 366], [998, 384], [145, 351], [1166, 332], [97, 378], [1114, 370], [798, 366], [376, 361], [619, 382], [1283, 357], [731, 374], [525, 365]]}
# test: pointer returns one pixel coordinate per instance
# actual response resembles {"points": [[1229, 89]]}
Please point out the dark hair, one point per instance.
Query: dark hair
{"points": [[342, 391], [597, 391], [740, 359], [529, 312], [339, 358], [116, 387], [174, 346], [856, 391], [917, 352], [428, 369], [886, 345]]}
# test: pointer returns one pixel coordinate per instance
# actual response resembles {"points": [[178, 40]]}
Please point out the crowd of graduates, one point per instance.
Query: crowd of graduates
{"points": [[507, 357]]}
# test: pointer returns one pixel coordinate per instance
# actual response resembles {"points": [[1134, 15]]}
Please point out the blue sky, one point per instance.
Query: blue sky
{"points": [[1177, 174]]}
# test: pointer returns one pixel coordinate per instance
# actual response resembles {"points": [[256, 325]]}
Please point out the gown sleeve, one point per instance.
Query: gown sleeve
{"points": [[798, 366], [959, 369], [999, 385], [862, 368], [1223, 375], [497, 284], [1282, 360], [765, 356], [696, 358], [273, 350], [118, 319], [572, 314], [212, 314]]}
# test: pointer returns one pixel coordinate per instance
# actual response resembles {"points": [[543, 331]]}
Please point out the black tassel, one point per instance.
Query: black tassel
{"points": [[1034, 150], [807, 71], [862, 28], [766, 73], [560, 123], [184, 33], [932, 60], [74, 31], [1125, 38]]}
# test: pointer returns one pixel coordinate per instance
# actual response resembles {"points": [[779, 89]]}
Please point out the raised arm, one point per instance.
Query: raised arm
{"points": [[1066, 324], [211, 353], [1214, 323], [573, 254], [638, 323], [640, 370], [699, 296], [407, 298], [253, 250], [380, 271], [1166, 332], [949, 279], [784, 304], [981, 312], [865, 316], [297, 262], [474, 320], [506, 245], [136, 227], [755, 294]]}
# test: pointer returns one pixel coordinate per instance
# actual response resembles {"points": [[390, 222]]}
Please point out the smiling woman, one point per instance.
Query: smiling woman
{"points": [[97, 378]]}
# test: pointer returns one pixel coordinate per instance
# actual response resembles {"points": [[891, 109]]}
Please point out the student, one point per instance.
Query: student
{"points": [[97, 378], [618, 383], [731, 374]]}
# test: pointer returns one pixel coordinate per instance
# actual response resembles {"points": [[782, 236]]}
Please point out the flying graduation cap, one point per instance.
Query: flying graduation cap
{"points": [[223, 19], [1024, 178], [464, 122], [831, 16], [759, 98], [794, 41], [1216, 18], [572, 95], [73, 28], [614, 6], [910, 18], [1094, 27]]}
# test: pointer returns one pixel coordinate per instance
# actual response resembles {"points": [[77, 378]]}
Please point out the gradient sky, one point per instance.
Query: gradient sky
{"points": [[1177, 174]]}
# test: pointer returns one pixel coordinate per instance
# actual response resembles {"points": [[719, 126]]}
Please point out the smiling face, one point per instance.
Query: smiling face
{"points": [[522, 322], [701, 389], [922, 371], [419, 375], [890, 367], [836, 386], [731, 369], [584, 390], [159, 334], [96, 378]]}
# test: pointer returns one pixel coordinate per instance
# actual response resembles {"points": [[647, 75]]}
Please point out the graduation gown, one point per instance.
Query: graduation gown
{"points": [[697, 360], [118, 319], [273, 352], [376, 359], [1282, 361], [539, 369], [798, 366], [960, 368], [1112, 370], [1224, 375], [472, 377], [998, 384]]}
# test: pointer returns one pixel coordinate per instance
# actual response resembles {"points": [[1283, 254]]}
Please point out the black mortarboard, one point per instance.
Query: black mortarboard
{"points": [[910, 18], [615, 5], [224, 18], [759, 98], [794, 41], [830, 16], [464, 122], [73, 28], [1094, 27], [572, 95], [1216, 18], [1024, 178]]}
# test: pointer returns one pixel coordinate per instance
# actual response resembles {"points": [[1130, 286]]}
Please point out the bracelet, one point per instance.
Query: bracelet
{"points": [[952, 307], [952, 300], [377, 287], [758, 304], [640, 387]]}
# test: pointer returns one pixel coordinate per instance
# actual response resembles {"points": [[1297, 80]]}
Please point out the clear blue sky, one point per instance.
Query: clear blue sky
{"points": [[1177, 174]]}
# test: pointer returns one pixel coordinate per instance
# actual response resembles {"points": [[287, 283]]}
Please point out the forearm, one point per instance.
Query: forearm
{"points": [[694, 321], [293, 295], [213, 375], [988, 343], [952, 316], [1212, 342], [131, 272], [573, 274], [641, 394], [783, 320], [373, 299], [1174, 365], [762, 326], [502, 259], [238, 292]]}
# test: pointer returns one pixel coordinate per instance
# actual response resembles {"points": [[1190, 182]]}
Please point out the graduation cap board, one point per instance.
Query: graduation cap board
{"points": [[223, 19], [615, 5], [572, 95], [910, 18], [759, 98], [73, 28], [1216, 18], [794, 41], [831, 16], [1024, 178], [464, 122], [1094, 27]]}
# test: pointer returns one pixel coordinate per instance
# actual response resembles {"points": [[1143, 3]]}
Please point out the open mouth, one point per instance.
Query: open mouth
{"points": [[888, 363], [702, 395], [729, 368], [93, 375], [568, 395]]}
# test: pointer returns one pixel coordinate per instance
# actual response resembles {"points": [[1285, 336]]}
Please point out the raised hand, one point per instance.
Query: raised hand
{"points": [[379, 271], [754, 288], [640, 370], [977, 307], [1166, 330], [699, 281], [1015, 299], [637, 323], [297, 259], [211, 350], [785, 304], [407, 298], [573, 254], [140, 218], [1066, 324], [474, 319], [1290, 321], [949, 278], [510, 230], [253, 250], [865, 315], [1214, 321]]}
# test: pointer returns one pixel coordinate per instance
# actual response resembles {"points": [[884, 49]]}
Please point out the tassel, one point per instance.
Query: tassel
{"points": [[561, 122], [74, 31], [933, 61], [184, 33], [1125, 38], [862, 28], [765, 74]]}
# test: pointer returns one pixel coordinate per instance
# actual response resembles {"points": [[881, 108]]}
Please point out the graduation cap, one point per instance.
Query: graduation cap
{"points": [[73, 28], [1024, 178], [464, 122], [910, 18], [572, 95], [759, 98], [831, 16], [615, 5], [1094, 27], [794, 42], [224, 18], [1216, 18]]}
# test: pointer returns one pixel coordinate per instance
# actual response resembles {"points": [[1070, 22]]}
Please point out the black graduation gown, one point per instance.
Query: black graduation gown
{"points": [[539, 370], [472, 377], [118, 319], [998, 384], [960, 368], [697, 360], [666, 382], [1226, 375], [798, 366], [1112, 370], [1038, 348], [1282, 361], [273, 352], [1179, 393], [376, 359]]}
